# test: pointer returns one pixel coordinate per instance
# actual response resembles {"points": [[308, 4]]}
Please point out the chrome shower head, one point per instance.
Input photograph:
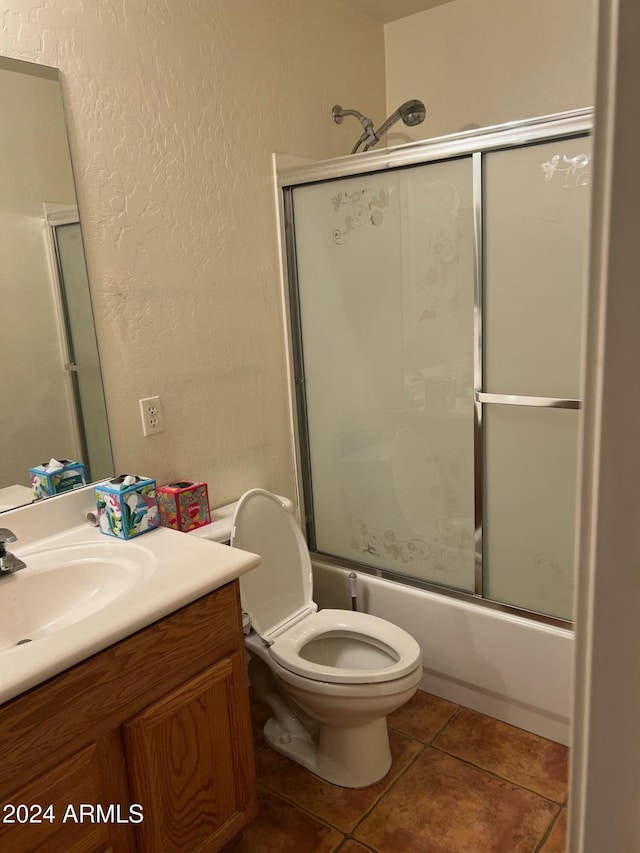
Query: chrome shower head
{"points": [[411, 112]]}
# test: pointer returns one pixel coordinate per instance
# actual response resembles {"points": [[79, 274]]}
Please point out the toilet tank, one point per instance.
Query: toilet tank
{"points": [[222, 521]]}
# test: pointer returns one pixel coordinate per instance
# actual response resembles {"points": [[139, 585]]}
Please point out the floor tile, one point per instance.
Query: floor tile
{"points": [[557, 840], [340, 807], [518, 756], [352, 846], [422, 717], [281, 828], [442, 805]]}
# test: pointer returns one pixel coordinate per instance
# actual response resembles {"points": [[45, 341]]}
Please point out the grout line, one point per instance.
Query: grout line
{"points": [[495, 775], [355, 841], [449, 723], [548, 832], [345, 835], [513, 726], [390, 788], [430, 740], [280, 796]]}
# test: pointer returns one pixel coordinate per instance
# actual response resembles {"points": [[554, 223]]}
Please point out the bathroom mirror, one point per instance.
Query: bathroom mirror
{"points": [[52, 396]]}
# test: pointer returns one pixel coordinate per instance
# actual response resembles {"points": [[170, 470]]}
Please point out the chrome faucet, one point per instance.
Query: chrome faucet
{"points": [[9, 563]]}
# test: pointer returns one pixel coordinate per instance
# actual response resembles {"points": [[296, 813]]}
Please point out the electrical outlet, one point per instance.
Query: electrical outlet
{"points": [[151, 414]]}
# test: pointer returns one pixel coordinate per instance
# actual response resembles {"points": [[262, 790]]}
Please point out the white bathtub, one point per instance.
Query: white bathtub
{"points": [[505, 666]]}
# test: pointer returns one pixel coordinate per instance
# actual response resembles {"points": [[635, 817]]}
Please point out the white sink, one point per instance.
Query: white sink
{"points": [[82, 591], [64, 585]]}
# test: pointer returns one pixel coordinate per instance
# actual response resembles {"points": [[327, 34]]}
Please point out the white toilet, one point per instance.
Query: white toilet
{"points": [[329, 677]]}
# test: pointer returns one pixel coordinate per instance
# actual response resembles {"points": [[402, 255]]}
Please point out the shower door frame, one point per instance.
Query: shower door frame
{"points": [[472, 144]]}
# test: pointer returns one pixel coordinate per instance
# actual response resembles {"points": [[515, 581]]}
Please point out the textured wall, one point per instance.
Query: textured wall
{"points": [[481, 62], [173, 112]]}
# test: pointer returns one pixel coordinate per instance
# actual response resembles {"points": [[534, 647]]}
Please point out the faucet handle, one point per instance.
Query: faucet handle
{"points": [[7, 535]]}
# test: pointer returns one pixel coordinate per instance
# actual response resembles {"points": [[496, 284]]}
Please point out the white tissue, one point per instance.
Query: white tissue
{"points": [[54, 465], [129, 480]]}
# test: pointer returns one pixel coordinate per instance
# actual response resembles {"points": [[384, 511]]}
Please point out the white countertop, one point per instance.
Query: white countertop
{"points": [[177, 570], [14, 496]]}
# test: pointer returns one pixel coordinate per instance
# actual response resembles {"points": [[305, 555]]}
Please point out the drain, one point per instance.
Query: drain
{"points": [[22, 642]]}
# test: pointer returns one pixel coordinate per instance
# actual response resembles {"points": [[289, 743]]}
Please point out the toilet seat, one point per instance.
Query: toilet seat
{"points": [[277, 595], [392, 652]]}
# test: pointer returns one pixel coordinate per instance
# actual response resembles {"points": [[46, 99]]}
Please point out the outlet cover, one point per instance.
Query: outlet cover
{"points": [[151, 415]]}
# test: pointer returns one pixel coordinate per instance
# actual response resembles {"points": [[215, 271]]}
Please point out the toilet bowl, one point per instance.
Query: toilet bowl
{"points": [[330, 677]]}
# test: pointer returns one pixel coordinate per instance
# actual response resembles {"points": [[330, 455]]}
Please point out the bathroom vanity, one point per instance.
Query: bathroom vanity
{"points": [[156, 729], [124, 705]]}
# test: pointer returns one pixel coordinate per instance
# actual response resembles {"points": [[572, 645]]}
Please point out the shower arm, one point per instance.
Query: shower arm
{"points": [[368, 136]]}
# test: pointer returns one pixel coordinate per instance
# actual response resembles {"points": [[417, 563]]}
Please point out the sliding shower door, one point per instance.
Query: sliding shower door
{"points": [[385, 293], [535, 222], [437, 320]]}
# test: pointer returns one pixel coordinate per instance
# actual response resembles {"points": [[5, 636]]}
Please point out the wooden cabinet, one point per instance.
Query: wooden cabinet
{"points": [[145, 746], [187, 750]]}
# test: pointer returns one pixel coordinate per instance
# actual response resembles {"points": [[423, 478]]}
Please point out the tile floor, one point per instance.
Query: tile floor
{"points": [[460, 782]]}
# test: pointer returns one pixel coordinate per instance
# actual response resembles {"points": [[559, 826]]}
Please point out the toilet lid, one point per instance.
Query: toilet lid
{"points": [[279, 591]]}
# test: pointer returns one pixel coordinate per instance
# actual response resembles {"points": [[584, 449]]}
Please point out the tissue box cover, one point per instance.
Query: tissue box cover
{"points": [[45, 483], [125, 511], [184, 505]]}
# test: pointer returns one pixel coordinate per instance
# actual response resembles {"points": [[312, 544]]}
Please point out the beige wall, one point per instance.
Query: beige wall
{"points": [[481, 62], [174, 110]]}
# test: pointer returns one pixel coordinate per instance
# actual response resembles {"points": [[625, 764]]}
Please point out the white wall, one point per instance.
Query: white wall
{"points": [[605, 770], [476, 63], [174, 110]]}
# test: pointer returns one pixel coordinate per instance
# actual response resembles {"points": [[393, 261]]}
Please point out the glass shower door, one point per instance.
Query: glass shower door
{"points": [[84, 363], [535, 224], [385, 298]]}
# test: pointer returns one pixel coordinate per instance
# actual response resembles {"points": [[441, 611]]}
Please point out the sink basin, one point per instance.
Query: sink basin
{"points": [[64, 585]]}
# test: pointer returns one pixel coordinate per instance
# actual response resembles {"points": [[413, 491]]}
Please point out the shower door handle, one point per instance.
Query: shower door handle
{"points": [[522, 400]]}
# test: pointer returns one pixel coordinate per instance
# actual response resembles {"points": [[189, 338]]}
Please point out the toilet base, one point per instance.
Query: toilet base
{"points": [[349, 756], [352, 757]]}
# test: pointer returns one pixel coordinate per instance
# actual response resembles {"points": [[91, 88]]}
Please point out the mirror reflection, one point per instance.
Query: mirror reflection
{"points": [[52, 396]]}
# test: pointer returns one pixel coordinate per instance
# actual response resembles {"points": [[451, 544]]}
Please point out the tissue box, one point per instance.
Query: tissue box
{"points": [[127, 509], [46, 483], [184, 505]]}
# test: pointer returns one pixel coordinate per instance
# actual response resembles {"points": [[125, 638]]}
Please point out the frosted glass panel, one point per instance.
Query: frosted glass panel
{"points": [[536, 207], [385, 270], [529, 511], [92, 411]]}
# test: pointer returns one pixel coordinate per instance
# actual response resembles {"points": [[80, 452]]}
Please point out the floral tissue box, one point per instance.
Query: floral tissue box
{"points": [[57, 476], [184, 505], [127, 506]]}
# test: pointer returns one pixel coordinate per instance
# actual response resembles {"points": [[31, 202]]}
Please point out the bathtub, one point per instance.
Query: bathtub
{"points": [[508, 667]]}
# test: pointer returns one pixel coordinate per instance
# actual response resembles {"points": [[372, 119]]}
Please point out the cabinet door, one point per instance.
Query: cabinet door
{"points": [[58, 810], [191, 765]]}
